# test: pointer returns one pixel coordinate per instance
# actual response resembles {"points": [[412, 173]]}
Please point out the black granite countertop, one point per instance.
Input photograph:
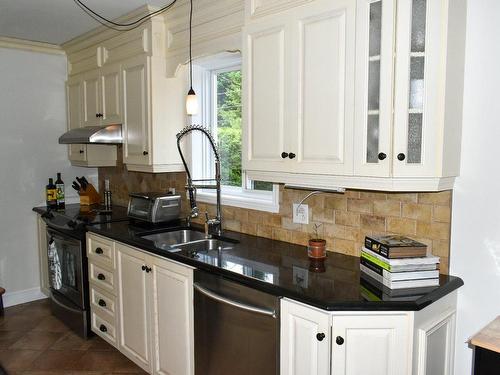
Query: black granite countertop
{"points": [[283, 269]]}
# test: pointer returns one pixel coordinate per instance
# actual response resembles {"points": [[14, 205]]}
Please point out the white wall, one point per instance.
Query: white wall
{"points": [[32, 117], [475, 245]]}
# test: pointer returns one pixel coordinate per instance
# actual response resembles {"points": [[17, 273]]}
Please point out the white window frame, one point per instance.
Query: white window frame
{"points": [[206, 73]]}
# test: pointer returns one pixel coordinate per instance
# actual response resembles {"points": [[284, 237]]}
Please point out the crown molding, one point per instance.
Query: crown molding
{"points": [[101, 33], [31, 46]]}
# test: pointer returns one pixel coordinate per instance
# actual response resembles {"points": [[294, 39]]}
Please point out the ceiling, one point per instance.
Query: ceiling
{"points": [[57, 21]]}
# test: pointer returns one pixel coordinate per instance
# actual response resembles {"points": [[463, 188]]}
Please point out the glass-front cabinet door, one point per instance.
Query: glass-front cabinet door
{"points": [[374, 87], [418, 104]]}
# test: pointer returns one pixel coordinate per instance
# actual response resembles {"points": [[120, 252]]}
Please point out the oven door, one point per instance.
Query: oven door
{"points": [[66, 274]]}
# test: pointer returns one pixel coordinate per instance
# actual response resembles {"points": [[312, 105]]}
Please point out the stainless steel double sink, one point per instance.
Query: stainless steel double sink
{"points": [[187, 239]]}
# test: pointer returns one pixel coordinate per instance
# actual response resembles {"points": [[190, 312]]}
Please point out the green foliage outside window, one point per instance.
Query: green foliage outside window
{"points": [[229, 129]]}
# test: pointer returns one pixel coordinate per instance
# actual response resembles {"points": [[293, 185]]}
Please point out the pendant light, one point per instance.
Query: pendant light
{"points": [[191, 100]]}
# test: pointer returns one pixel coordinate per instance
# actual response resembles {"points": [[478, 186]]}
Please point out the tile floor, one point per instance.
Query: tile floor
{"points": [[33, 342]]}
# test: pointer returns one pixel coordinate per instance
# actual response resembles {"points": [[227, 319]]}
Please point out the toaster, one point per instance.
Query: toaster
{"points": [[154, 207]]}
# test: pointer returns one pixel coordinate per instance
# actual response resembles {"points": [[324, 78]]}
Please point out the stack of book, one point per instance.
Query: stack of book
{"points": [[398, 262]]}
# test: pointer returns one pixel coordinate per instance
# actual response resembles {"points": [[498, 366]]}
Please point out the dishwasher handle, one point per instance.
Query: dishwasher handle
{"points": [[239, 305]]}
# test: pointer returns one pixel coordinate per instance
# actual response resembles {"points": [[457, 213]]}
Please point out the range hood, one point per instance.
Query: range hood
{"points": [[109, 134]]}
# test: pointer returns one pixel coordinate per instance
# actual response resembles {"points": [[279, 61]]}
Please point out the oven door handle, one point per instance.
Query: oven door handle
{"points": [[239, 305]]}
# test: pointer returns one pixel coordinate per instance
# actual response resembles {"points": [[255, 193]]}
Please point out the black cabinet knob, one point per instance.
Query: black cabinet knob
{"points": [[81, 151], [381, 156], [284, 155], [148, 269], [97, 115], [101, 277], [99, 251], [145, 153], [291, 155], [401, 157], [102, 303], [143, 268], [339, 340], [320, 336], [103, 328]]}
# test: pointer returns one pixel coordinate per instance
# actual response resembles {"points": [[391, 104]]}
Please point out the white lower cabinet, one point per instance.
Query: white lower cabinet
{"points": [[134, 305], [149, 314], [319, 342]]}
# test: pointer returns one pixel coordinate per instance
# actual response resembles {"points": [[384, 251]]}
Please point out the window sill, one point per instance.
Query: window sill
{"points": [[244, 199]]}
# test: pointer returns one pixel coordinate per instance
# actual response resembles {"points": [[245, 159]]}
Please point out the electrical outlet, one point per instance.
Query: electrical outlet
{"points": [[301, 216]]}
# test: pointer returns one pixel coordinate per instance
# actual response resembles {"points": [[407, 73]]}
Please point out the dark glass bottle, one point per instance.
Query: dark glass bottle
{"points": [[51, 194], [60, 192]]}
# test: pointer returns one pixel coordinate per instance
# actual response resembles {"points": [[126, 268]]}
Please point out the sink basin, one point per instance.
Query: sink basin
{"points": [[204, 245], [169, 240], [187, 239]]}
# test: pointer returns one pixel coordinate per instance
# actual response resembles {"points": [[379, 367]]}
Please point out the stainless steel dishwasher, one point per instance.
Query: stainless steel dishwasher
{"points": [[236, 328]]}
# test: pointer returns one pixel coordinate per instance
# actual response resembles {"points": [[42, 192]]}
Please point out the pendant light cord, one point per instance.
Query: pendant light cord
{"points": [[115, 25], [190, 46]]}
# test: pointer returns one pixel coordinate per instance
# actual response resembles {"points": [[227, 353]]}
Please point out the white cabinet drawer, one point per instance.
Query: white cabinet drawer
{"points": [[101, 251], [102, 278], [102, 302], [104, 328]]}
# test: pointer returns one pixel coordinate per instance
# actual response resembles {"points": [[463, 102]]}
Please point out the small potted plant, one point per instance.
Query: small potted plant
{"points": [[317, 245]]}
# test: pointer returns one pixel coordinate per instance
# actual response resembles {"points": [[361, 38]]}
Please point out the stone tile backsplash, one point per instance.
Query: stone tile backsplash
{"points": [[345, 218]]}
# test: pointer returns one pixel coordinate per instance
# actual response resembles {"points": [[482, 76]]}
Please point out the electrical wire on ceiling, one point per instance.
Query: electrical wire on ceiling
{"points": [[121, 26]]}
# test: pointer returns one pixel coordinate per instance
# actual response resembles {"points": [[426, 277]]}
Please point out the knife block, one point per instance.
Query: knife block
{"points": [[89, 196]]}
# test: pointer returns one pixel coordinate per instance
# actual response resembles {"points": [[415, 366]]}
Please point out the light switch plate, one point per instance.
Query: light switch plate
{"points": [[301, 216]]}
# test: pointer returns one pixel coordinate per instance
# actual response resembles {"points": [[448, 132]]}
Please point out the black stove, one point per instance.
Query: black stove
{"points": [[74, 219], [67, 259]]}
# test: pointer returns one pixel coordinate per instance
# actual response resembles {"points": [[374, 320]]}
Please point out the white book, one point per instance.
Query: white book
{"points": [[411, 275], [429, 259], [399, 284]]}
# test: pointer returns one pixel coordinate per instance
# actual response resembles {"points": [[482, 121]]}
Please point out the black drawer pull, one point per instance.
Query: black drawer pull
{"points": [[339, 340], [103, 328], [101, 277], [102, 303], [401, 157], [145, 153], [382, 156], [148, 269], [99, 251], [291, 155], [320, 336], [284, 155], [81, 151]]}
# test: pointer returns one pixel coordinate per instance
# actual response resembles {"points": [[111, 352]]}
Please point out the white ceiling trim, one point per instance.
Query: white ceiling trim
{"points": [[32, 46]]}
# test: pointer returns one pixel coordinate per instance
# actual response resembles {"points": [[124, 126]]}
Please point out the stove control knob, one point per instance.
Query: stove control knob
{"points": [[48, 215]]}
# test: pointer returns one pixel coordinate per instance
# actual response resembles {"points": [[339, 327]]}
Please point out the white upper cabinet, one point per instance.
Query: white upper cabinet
{"points": [[110, 89], [299, 89], [360, 94], [136, 121], [374, 80], [79, 154], [101, 96], [124, 81]]}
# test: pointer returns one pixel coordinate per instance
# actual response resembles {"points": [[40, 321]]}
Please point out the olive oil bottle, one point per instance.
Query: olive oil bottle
{"points": [[60, 192]]}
